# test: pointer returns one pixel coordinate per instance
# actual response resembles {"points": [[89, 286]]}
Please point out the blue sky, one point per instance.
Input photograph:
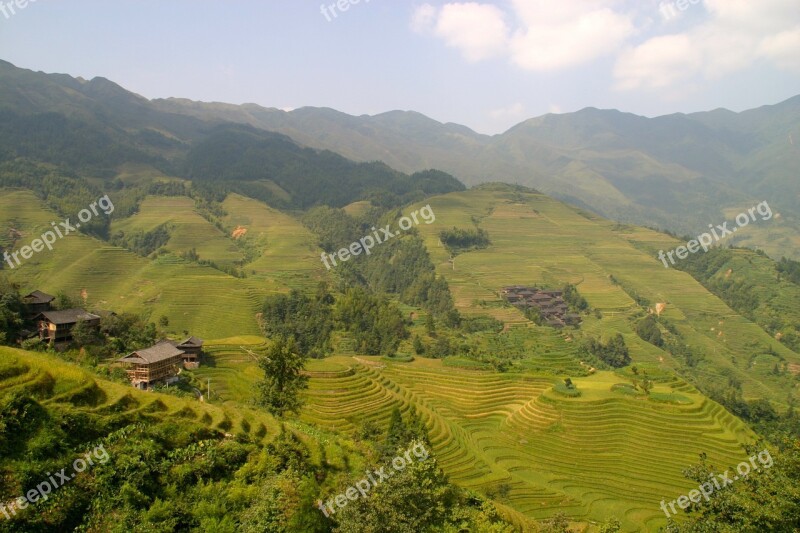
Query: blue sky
{"points": [[488, 65]]}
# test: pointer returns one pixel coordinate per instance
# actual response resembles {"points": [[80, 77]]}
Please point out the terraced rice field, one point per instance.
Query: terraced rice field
{"points": [[197, 299], [536, 240], [59, 383], [188, 230], [514, 438], [288, 254]]}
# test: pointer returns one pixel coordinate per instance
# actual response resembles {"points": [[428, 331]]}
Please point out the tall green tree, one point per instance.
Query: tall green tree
{"points": [[767, 499], [417, 499], [279, 391], [10, 311]]}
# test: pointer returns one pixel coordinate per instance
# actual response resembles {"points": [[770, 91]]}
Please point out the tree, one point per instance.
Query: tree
{"points": [[84, 334], [10, 310], [127, 332], [614, 352], [430, 325], [419, 347], [64, 301], [767, 499], [416, 499], [397, 435], [611, 525], [648, 331], [453, 318], [557, 524], [283, 378], [646, 384]]}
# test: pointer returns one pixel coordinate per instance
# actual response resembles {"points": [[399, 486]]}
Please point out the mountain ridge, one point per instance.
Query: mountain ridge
{"points": [[677, 172]]}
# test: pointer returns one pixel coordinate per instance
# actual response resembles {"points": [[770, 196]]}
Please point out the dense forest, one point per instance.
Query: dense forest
{"points": [[249, 160]]}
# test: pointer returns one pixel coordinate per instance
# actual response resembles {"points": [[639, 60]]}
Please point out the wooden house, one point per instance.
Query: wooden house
{"points": [[56, 326], [158, 364], [193, 349], [36, 303]]}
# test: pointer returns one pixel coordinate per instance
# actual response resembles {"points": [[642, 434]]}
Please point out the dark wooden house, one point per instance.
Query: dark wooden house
{"points": [[56, 326], [193, 349], [36, 303]]}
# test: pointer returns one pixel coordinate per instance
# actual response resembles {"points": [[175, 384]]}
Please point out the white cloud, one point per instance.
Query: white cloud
{"points": [[722, 37], [735, 35], [478, 31], [549, 35], [783, 49], [559, 35], [660, 62], [424, 18]]}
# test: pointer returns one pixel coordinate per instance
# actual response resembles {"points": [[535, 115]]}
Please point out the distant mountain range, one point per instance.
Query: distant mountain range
{"points": [[678, 172]]}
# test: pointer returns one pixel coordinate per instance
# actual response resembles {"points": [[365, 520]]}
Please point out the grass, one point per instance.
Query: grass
{"points": [[536, 240], [555, 453], [110, 278], [188, 230], [607, 452]]}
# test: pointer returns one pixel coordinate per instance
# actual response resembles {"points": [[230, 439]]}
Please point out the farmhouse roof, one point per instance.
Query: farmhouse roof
{"points": [[38, 297], [67, 316], [192, 341], [160, 352]]}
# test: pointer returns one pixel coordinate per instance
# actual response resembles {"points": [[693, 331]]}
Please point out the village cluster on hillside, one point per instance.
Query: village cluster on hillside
{"points": [[550, 303], [159, 364]]}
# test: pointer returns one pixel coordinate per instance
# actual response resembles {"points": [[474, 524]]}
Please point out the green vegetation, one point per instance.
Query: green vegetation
{"points": [[143, 243], [574, 300], [614, 352], [372, 321], [755, 286], [308, 321], [791, 269], [250, 162], [647, 329], [10, 311], [231, 468], [458, 240], [486, 390], [764, 500], [283, 381]]}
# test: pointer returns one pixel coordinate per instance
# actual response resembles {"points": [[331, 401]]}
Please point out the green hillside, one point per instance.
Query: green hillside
{"points": [[512, 436], [539, 241], [190, 294], [679, 172], [156, 446]]}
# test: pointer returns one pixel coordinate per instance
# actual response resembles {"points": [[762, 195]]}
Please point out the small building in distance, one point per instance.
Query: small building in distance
{"points": [[158, 364], [56, 326], [193, 349], [36, 303], [550, 303]]}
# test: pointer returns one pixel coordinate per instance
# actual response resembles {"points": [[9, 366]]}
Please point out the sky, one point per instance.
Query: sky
{"points": [[487, 65]]}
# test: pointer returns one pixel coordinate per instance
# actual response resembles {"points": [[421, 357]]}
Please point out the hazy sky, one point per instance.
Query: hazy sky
{"points": [[487, 65]]}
